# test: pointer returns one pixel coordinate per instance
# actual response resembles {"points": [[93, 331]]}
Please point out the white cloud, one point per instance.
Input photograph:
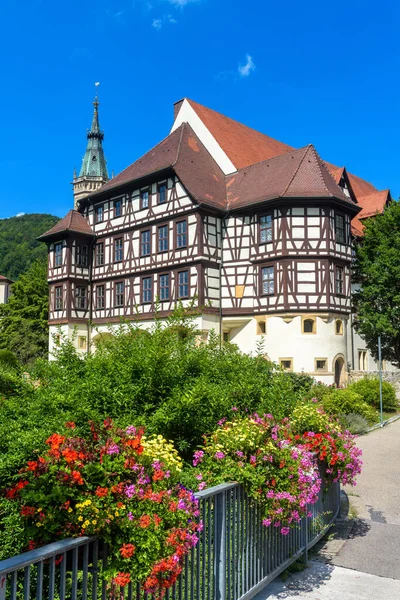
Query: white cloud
{"points": [[158, 23], [21, 214], [247, 68], [181, 3]]}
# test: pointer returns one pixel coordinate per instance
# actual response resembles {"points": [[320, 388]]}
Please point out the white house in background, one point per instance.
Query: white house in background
{"points": [[5, 289], [259, 233]]}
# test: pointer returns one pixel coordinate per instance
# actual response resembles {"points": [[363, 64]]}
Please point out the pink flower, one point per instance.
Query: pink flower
{"points": [[285, 530], [202, 485], [219, 455]]}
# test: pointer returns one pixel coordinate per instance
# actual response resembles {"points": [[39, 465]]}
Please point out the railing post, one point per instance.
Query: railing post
{"points": [[305, 535], [3, 581], [220, 546]]}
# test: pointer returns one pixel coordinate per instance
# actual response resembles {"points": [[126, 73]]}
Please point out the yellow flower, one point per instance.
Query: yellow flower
{"points": [[39, 509], [70, 510], [80, 518], [38, 524], [94, 522]]}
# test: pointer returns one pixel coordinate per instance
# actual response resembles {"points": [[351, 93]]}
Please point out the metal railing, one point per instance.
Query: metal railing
{"points": [[235, 558]]}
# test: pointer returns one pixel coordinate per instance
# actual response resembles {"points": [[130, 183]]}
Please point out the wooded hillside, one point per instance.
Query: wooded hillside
{"points": [[19, 247]]}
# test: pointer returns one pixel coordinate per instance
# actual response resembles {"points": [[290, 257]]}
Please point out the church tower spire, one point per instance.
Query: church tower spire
{"points": [[93, 173]]}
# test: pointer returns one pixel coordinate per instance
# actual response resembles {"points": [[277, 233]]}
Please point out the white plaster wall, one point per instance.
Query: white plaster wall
{"points": [[286, 340], [4, 291]]}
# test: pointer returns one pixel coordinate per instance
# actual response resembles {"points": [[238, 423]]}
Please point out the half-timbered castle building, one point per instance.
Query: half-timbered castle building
{"points": [[257, 232]]}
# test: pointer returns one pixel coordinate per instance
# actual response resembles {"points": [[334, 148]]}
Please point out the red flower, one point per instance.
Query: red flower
{"points": [[28, 511], [55, 441], [69, 455], [101, 492], [31, 545], [12, 493], [157, 520], [77, 477], [70, 425], [127, 550], [144, 521], [158, 475], [122, 579]]}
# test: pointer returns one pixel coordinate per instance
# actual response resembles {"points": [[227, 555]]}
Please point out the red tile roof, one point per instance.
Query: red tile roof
{"points": [[296, 174], [246, 148], [183, 152], [73, 221], [371, 205], [2, 278], [243, 145]]}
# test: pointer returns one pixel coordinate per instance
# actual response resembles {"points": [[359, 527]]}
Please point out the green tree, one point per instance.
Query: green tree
{"points": [[19, 247], [23, 320], [377, 271]]}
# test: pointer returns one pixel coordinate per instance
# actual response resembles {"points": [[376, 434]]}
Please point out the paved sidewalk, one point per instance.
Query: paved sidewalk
{"points": [[374, 544], [326, 582]]}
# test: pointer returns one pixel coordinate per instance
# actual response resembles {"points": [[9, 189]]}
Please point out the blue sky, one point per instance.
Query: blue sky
{"points": [[302, 72]]}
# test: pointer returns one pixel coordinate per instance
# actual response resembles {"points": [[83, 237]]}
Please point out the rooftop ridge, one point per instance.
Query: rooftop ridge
{"points": [[306, 149]]}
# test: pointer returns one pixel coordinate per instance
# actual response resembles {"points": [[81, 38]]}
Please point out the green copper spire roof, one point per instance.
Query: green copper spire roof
{"points": [[94, 163]]}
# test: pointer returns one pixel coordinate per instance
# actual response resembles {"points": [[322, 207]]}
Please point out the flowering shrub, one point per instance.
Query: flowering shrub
{"points": [[120, 486], [257, 452], [310, 416], [338, 451]]}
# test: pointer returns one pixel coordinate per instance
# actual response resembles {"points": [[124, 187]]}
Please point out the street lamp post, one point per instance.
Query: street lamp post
{"points": [[380, 377]]}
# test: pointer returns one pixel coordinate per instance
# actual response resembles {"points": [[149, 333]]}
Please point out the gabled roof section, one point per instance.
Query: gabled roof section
{"points": [[72, 222], [183, 152], [242, 145], [159, 158], [297, 174], [5, 279]]}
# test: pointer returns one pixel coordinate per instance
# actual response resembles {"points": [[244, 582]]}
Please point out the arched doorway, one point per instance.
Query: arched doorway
{"points": [[339, 371]]}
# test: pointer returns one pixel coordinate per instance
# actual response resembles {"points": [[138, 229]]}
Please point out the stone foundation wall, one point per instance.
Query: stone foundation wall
{"points": [[392, 377]]}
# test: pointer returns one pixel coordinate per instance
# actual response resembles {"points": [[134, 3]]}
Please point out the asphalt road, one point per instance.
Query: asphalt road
{"points": [[374, 545]]}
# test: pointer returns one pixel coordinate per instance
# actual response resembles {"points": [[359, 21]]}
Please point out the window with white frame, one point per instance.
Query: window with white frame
{"points": [[119, 294], [147, 290], [145, 243], [59, 298], [265, 229], [144, 198], [100, 254], [181, 234], [81, 297], [81, 255], [100, 296], [183, 284], [58, 254], [118, 249], [164, 287], [163, 238], [268, 280], [339, 280]]}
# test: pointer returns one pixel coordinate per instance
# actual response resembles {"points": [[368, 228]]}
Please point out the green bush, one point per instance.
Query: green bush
{"points": [[348, 401], [356, 424], [368, 388], [163, 379], [309, 416], [318, 391], [8, 359]]}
